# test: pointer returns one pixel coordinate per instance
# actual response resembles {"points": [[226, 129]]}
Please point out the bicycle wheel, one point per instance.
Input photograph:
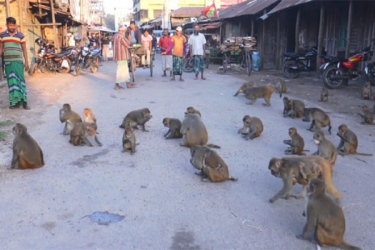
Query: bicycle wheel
{"points": [[151, 67], [225, 63], [132, 69], [249, 64]]}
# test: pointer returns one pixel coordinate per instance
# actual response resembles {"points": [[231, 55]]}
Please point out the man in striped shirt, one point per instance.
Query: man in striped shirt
{"points": [[13, 47], [121, 55]]}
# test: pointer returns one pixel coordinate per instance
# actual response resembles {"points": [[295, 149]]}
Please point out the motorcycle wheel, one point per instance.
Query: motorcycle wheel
{"points": [[328, 82], [188, 65], [33, 69], [288, 72], [371, 76], [93, 69], [77, 69]]}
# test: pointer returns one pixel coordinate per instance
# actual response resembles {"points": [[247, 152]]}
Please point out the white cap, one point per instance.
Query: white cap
{"points": [[69, 34], [122, 27], [179, 28]]}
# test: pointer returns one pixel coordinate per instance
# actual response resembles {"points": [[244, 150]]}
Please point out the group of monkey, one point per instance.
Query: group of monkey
{"points": [[325, 217]]}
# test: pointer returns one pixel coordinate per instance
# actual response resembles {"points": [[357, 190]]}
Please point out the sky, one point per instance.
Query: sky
{"points": [[109, 5]]}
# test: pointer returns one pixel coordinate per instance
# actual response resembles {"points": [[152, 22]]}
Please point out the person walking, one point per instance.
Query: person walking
{"points": [[166, 60], [13, 47], [147, 46], [197, 48], [105, 51], [178, 43], [121, 55]]}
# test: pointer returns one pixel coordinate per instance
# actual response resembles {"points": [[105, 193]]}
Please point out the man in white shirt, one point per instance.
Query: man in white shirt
{"points": [[147, 46], [197, 48]]}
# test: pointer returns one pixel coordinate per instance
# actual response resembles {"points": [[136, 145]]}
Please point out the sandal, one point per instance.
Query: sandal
{"points": [[15, 106]]}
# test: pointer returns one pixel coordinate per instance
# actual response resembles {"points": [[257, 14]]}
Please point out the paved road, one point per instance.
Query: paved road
{"points": [[155, 200]]}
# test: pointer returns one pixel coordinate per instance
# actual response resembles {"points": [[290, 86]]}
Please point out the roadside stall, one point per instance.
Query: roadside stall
{"points": [[101, 30]]}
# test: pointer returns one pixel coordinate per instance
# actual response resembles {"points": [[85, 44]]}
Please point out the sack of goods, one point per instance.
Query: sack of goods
{"points": [[235, 44]]}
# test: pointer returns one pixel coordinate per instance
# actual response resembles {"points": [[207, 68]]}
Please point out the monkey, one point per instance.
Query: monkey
{"points": [[88, 116], [367, 91], [258, 92], [326, 149], [300, 170], [318, 118], [26, 151], [129, 141], [367, 116], [174, 126], [191, 110], [324, 95], [296, 108], [137, 117], [70, 118], [78, 136], [286, 105], [255, 126], [212, 166], [349, 142], [325, 218], [195, 132], [297, 143], [281, 87], [244, 86]]}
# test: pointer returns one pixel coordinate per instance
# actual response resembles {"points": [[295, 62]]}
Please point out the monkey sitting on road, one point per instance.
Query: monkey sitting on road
{"points": [[300, 170], [260, 92], [191, 110], [255, 126], [195, 132], [326, 149], [367, 116], [286, 105], [295, 108], [78, 136], [324, 218], [70, 118], [324, 95], [367, 91], [349, 142], [88, 116], [129, 141], [26, 151], [296, 143], [281, 87], [212, 166], [137, 117], [244, 86], [317, 117], [174, 126]]}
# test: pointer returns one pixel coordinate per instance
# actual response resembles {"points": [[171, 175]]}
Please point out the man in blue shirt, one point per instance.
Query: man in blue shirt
{"points": [[135, 33]]}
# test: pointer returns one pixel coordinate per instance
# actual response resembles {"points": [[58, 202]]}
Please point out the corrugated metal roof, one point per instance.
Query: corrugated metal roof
{"points": [[250, 7], [187, 12], [284, 4]]}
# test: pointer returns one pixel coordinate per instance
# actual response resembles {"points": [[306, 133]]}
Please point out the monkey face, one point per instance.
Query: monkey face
{"points": [[66, 107], [316, 186], [166, 122], [274, 167], [18, 129], [147, 115], [290, 103], [128, 132], [292, 131]]}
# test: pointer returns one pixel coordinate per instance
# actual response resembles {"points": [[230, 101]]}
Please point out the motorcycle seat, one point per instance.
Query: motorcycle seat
{"points": [[62, 54], [293, 55]]}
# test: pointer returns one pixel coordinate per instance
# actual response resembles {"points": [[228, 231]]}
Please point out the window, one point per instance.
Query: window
{"points": [[157, 13], [144, 14]]}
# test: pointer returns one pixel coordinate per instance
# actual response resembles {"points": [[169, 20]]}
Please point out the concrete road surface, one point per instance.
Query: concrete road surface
{"points": [[100, 198]]}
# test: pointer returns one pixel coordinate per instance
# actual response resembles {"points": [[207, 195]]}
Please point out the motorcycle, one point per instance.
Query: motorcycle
{"points": [[87, 59], [295, 63], [370, 72], [340, 71], [46, 59]]}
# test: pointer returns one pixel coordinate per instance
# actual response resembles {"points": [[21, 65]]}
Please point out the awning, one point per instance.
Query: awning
{"points": [[157, 20], [100, 28], [251, 7], [284, 4], [187, 12], [212, 26]]}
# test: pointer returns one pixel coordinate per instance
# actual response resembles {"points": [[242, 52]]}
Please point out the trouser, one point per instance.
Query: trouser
{"points": [[198, 64], [105, 52], [148, 58]]}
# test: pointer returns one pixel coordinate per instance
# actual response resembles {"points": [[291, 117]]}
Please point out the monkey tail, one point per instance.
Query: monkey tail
{"points": [[327, 178], [345, 245], [232, 178], [213, 146]]}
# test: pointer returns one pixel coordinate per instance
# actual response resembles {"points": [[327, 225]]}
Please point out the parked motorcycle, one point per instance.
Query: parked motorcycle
{"points": [[46, 59], [340, 71], [370, 72], [87, 59]]}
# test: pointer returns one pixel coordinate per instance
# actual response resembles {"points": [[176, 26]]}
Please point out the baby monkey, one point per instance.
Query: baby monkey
{"points": [[128, 140], [174, 126], [296, 143]]}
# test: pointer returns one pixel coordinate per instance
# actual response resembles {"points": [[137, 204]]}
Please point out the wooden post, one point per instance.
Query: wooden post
{"points": [[7, 8], [297, 31], [278, 44], [252, 26], [348, 32], [20, 14], [320, 37], [54, 26], [263, 43]]}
